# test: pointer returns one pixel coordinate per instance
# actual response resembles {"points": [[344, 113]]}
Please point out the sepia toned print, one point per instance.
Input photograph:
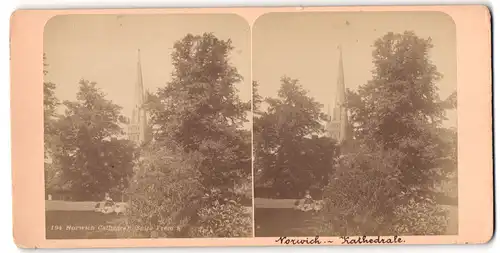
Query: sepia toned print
{"points": [[147, 126], [355, 128], [112, 48]]}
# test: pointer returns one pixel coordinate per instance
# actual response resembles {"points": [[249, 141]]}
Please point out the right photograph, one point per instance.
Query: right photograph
{"points": [[354, 124]]}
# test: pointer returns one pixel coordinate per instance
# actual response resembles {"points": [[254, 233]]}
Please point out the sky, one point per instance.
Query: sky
{"points": [[103, 49], [304, 46]]}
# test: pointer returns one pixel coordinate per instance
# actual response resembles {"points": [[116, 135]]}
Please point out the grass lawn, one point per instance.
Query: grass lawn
{"points": [[77, 220], [275, 217], [275, 222]]}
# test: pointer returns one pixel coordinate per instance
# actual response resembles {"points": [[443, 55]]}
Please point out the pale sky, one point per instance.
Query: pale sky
{"points": [[103, 48], [304, 46]]}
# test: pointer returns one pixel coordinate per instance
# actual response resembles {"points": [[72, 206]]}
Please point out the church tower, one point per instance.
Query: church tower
{"points": [[138, 121], [337, 125]]}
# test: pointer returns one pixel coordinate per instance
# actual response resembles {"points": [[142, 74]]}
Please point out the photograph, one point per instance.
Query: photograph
{"points": [[147, 126], [354, 124], [251, 126]]}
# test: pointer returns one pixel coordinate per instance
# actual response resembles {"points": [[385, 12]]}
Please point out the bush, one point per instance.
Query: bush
{"points": [[223, 220], [168, 200], [420, 218], [243, 191], [365, 196], [164, 192], [362, 189]]}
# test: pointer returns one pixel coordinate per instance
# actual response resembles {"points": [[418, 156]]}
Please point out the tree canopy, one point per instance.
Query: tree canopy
{"points": [[402, 150], [92, 157], [199, 109], [50, 105], [199, 142], [400, 109], [289, 154]]}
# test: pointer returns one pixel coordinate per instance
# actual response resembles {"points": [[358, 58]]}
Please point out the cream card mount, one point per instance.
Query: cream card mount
{"points": [[251, 126]]}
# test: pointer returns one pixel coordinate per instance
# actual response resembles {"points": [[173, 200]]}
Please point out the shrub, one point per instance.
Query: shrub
{"points": [[362, 189], [420, 218], [165, 193], [223, 220], [169, 200], [365, 196], [242, 192]]}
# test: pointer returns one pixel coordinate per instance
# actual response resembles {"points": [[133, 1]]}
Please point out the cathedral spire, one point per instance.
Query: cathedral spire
{"points": [[338, 124], [341, 97], [139, 88], [340, 80], [138, 123]]}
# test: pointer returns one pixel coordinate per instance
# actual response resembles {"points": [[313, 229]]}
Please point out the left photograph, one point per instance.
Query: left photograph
{"points": [[147, 126]]}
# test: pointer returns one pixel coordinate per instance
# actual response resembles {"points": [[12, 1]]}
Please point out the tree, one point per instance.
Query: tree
{"points": [[168, 197], [256, 98], [92, 156], [396, 118], [287, 153], [165, 191], [451, 101], [197, 117], [201, 111], [400, 108], [50, 105]]}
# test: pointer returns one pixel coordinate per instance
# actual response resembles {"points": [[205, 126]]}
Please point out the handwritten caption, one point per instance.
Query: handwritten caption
{"points": [[342, 240]]}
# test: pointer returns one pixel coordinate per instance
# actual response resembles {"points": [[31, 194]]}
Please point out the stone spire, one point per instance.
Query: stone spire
{"points": [[340, 80], [138, 122], [139, 88], [338, 119]]}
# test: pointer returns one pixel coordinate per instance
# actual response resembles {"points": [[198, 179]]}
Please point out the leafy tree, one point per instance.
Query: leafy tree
{"points": [[401, 153], [50, 105], [400, 108], [201, 111], [362, 191], [287, 152], [165, 191], [446, 184], [92, 156], [451, 101], [197, 117], [256, 98], [169, 199]]}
